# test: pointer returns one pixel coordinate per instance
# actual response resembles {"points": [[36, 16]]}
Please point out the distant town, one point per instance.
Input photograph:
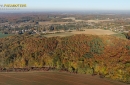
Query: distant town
{"points": [[43, 23]]}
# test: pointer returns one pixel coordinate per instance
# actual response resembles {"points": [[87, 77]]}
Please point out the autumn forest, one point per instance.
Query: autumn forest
{"points": [[103, 55]]}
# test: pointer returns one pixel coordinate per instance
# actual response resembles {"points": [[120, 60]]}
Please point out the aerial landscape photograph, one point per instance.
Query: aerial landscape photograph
{"points": [[64, 42]]}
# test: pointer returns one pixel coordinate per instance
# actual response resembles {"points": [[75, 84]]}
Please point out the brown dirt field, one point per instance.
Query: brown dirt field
{"points": [[53, 78], [94, 32], [87, 31], [97, 21]]}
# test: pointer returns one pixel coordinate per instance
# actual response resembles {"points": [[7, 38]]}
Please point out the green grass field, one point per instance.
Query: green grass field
{"points": [[120, 35], [4, 35], [53, 78], [59, 34]]}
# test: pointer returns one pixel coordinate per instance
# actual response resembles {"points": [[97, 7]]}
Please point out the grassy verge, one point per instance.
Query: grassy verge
{"points": [[120, 35], [4, 35]]}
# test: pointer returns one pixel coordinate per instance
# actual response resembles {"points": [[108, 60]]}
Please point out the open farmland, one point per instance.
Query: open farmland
{"points": [[50, 23], [95, 21], [64, 34], [87, 31], [53, 78], [94, 32]]}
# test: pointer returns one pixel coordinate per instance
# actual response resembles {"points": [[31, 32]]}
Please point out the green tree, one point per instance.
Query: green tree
{"points": [[96, 46]]}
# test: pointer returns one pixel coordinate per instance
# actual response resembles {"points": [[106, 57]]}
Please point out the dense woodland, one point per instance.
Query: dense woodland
{"points": [[107, 56]]}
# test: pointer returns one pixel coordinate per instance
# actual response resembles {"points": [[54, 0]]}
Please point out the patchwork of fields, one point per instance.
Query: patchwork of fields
{"points": [[53, 78], [64, 34], [87, 31]]}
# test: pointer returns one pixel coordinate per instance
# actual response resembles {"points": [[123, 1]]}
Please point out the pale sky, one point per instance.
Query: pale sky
{"points": [[72, 4]]}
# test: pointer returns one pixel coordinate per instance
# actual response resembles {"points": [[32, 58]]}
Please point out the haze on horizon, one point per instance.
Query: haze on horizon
{"points": [[70, 5]]}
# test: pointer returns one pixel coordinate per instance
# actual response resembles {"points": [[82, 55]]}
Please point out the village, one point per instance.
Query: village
{"points": [[52, 24]]}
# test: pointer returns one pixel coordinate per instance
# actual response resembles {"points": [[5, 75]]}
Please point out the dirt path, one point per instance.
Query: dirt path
{"points": [[52, 78]]}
